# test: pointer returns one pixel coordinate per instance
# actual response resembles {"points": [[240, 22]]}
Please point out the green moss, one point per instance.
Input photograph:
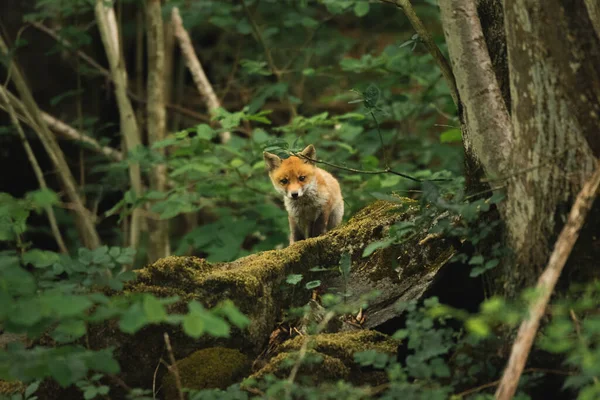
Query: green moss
{"points": [[343, 345], [215, 367], [336, 352], [12, 387], [317, 365], [253, 283]]}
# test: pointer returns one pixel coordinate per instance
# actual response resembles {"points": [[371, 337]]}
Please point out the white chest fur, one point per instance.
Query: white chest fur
{"points": [[306, 209]]}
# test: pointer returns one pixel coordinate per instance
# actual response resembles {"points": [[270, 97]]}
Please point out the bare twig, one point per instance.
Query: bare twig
{"points": [[372, 172], [39, 174], [424, 35], [85, 224], [71, 133], [59, 127], [578, 332], [277, 72], [106, 73], [495, 383], [193, 63], [303, 349], [173, 367], [154, 378], [64, 42], [546, 283]]}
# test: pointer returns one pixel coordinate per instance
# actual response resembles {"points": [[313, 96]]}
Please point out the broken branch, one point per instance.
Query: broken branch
{"points": [[546, 283]]}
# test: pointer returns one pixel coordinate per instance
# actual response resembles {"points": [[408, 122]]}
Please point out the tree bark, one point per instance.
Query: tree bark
{"points": [[488, 137], [202, 83], [158, 230], [545, 286], [554, 64], [105, 17], [545, 149]]}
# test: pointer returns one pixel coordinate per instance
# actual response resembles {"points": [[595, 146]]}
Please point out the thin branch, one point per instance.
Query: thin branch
{"points": [[106, 73], [435, 52], [303, 350], [230, 78], [545, 286], [202, 83], [65, 43], [71, 133], [277, 72], [173, 367], [262, 43], [39, 174], [372, 172], [60, 128], [495, 383], [85, 224]]}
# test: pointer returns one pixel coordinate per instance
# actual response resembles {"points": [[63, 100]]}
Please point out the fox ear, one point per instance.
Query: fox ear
{"points": [[310, 153], [271, 161]]}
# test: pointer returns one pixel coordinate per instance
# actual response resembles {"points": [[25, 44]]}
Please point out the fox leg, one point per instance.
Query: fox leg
{"points": [[295, 232], [335, 218], [319, 227]]}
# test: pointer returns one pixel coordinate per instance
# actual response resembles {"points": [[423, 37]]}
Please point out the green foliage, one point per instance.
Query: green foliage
{"points": [[370, 98], [46, 293]]}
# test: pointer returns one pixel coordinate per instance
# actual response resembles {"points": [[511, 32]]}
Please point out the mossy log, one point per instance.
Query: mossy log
{"points": [[336, 353], [256, 284]]}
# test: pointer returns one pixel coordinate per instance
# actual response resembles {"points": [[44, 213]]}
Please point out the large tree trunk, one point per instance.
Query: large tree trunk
{"points": [[548, 148], [554, 64]]}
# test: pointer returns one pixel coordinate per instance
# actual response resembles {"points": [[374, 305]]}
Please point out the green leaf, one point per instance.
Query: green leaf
{"points": [[294, 279], [313, 284], [193, 325], [361, 8], [215, 326], [478, 326], [133, 319], [345, 264], [31, 389], [40, 258], [308, 71], [371, 96], [69, 330], [26, 312], [255, 67], [234, 314], [43, 198], [90, 393], [476, 260], [451, 136], [380, 244], [154, 310], [66, 305], [205, 132]]}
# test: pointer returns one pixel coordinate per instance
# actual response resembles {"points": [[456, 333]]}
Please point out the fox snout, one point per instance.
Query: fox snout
{"points": [[295, 193]]}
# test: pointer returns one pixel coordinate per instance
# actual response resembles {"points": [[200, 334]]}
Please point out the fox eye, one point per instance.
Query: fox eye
{"points": [[284, 181], [301, 178]]}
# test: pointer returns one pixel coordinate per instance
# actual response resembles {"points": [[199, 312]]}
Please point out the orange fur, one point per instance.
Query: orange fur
{"points": [[312, 196]]}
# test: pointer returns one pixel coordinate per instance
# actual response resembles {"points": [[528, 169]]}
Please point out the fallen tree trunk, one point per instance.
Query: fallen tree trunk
{"points": [[256, 284]]}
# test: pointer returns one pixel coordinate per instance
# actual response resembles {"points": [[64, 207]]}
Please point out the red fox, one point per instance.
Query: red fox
{"points": [[312, 196]]}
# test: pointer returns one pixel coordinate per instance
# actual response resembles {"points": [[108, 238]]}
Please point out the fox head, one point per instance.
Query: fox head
{"points": [[293, 177]]}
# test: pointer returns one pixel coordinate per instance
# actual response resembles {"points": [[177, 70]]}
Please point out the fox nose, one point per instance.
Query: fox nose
{"points": [[294, 195]]}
